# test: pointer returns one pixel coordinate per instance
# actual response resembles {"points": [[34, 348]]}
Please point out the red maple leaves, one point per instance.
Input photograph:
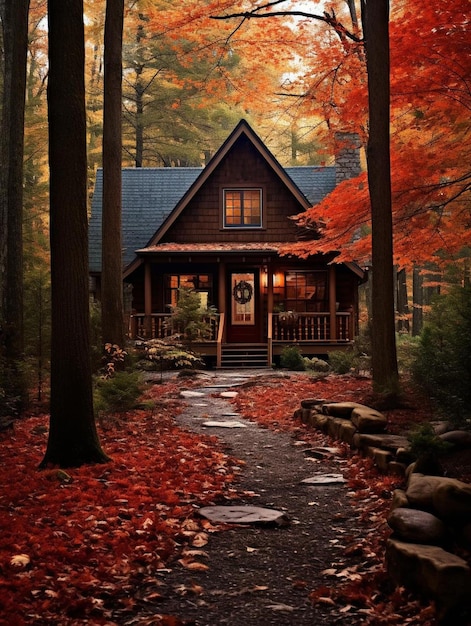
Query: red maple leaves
{"points": [[76, 543]]}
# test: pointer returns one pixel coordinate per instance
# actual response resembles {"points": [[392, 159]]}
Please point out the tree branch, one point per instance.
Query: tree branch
{"points": [[329, 19]]}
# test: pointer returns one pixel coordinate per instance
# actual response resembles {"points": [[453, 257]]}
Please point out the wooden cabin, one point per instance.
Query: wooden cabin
{"points": [[220, 230]]}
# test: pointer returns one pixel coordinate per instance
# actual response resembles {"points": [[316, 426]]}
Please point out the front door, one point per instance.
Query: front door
{"points": [[244, 307]]}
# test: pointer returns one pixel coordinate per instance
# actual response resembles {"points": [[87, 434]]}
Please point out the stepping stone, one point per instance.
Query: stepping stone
{"points": [[324, 479], [224, 424], [229, 394], [321, 453], [244, 514], [191, 394]]}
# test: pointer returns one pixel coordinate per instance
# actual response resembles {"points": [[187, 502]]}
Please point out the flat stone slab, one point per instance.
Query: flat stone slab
{"points": [[191, 394], [322, 452], [224, 424], [244, 514], [324, 479]]}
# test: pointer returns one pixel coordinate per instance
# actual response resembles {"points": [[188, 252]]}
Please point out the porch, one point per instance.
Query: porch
{"points": [[314, 333]]}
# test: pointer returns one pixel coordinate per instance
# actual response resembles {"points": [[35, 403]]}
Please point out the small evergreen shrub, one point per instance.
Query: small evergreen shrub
{"points": [[342, 361], [189, 318], [443, 363], [118, 393], [292, 359], [427, 448]]}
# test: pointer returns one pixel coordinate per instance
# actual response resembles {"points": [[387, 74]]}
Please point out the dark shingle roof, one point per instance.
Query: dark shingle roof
{"points": [[314, 181], [150, 194]]}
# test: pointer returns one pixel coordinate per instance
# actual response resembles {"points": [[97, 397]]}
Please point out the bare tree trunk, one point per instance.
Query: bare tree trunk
{"points": [[15, 45], [418, 302], [402, 301], [73, 438], [112, 317], [375, 16]]}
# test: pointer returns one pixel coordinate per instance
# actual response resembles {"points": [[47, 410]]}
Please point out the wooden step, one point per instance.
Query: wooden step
{"points": [[244, 355]]}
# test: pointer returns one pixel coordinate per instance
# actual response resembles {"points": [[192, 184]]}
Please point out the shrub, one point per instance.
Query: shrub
{"points": [[118, 393], [443, 363], [190, 318], [169, 353], [427, 447], [292, 359], [342, 361]]}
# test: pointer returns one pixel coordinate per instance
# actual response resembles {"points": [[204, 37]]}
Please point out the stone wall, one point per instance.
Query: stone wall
{"points": [[430, 518]]}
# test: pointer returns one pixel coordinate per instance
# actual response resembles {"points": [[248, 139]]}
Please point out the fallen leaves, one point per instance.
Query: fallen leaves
{"points": [[76, 543]]}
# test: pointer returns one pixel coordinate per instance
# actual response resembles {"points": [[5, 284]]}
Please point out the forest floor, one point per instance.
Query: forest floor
{"points": [[123, 543]]}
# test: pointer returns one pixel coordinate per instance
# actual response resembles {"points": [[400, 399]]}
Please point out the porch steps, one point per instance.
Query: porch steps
{"points": [[244, 355]]}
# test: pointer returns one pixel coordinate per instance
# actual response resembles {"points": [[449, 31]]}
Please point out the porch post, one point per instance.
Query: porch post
{"points": [[270, 314], [148, 300], [270, 288], [332, 303], [222, 310]]}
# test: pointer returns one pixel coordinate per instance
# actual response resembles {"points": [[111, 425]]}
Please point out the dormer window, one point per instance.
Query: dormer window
{"points": [[242, 208]]}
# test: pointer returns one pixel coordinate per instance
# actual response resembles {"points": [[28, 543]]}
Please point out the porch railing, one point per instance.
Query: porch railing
{"points": [[159, 326], [302, 327]]}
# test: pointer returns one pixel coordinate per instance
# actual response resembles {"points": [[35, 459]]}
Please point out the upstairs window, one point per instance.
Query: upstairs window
{"points": [[242, 208]]}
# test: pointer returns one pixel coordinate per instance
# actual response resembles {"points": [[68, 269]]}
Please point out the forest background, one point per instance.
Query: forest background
{"points": [[188, 79]]}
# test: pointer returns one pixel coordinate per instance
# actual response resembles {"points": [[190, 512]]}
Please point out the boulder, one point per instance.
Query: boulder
{"points": [[432, 571], [452, 500], [458, 438], [341, 409], [420, 490], [399, 499], [311, 403], [368, 420], [416, 526]]}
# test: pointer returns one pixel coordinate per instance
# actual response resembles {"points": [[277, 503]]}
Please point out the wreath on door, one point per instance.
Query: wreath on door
{"points": [[243, 292]]}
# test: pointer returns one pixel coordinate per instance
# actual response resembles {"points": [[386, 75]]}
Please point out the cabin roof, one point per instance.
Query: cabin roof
{"points": [[154, 197], [150, 194]]}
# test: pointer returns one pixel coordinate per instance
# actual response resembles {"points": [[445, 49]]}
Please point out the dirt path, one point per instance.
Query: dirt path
{"points": [[262, 575]]}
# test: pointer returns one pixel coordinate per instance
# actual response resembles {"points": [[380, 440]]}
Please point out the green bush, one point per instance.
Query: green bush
{"points": [[342, 361], [168, 354], [443, 364], [292, 359], [119, 393], [427, 448]]}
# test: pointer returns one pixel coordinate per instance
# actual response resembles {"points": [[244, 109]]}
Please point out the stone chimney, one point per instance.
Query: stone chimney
{"points": [[347, 156]]}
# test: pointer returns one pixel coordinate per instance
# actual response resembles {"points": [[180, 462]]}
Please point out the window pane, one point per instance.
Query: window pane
{"points": [[242, 207]]}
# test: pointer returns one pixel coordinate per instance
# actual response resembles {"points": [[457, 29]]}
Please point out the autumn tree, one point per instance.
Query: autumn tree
{"points": [[112, 286], [14, 19], [375, 20], [73, 437]]}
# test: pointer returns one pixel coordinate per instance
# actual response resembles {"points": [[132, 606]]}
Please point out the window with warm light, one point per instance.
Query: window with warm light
{"points": [[201, 283], [306, 291], [242, 208]]}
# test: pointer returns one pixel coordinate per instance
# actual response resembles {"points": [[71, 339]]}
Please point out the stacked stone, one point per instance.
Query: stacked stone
{"points": [[428, 519]]}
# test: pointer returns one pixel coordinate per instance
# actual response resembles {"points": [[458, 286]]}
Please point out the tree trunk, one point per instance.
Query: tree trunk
{"points": [[73, 438], [112, 317], [402, 302], [15, 44], [384, 359], [418, 302]]}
